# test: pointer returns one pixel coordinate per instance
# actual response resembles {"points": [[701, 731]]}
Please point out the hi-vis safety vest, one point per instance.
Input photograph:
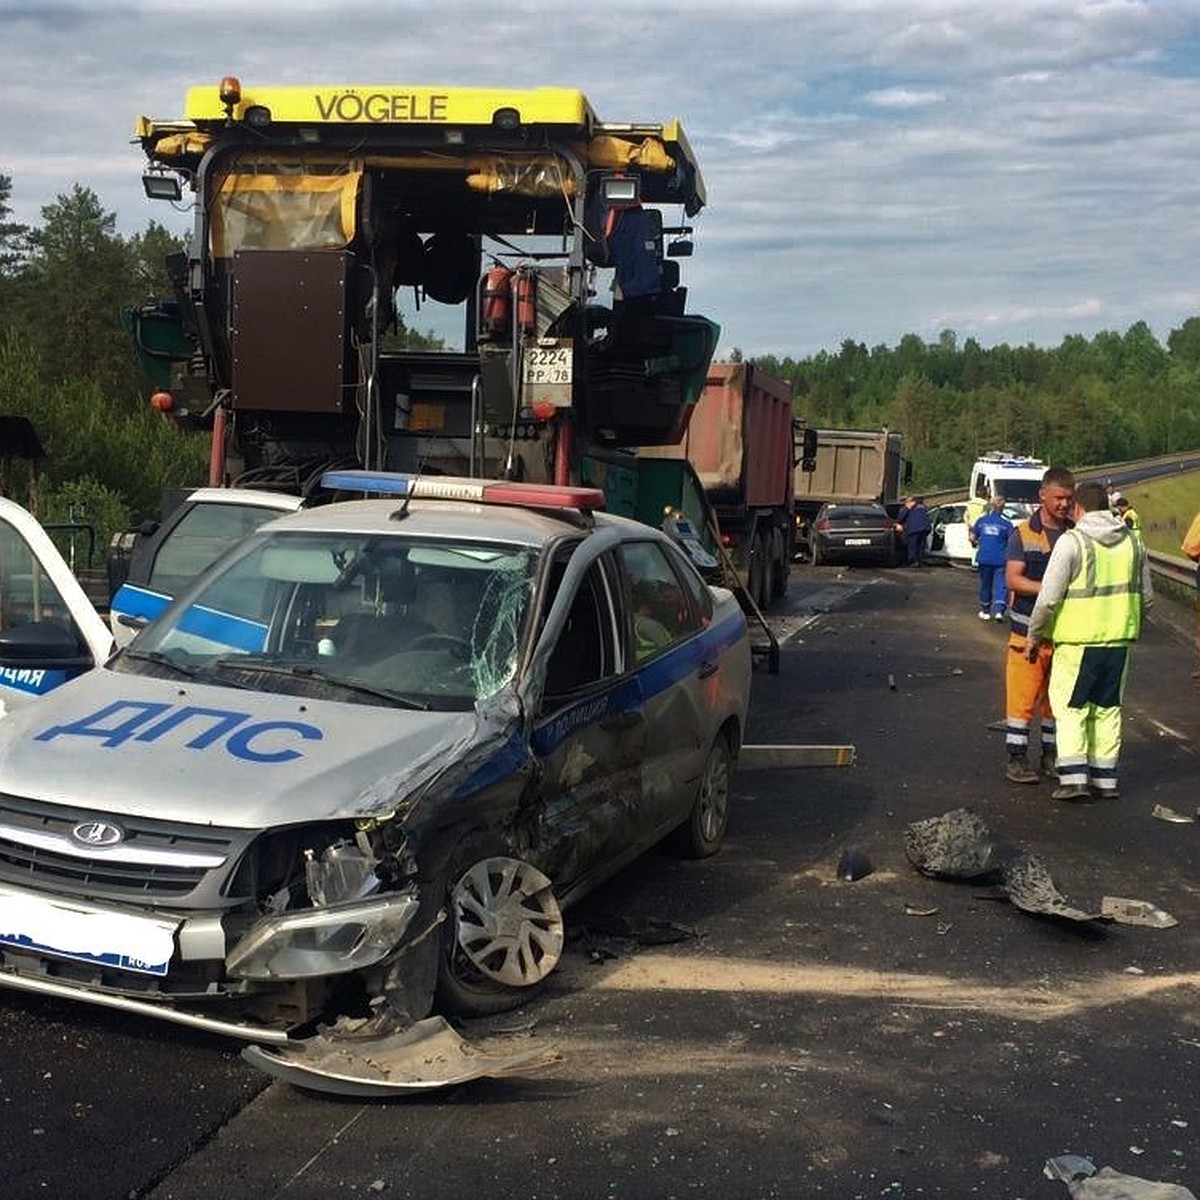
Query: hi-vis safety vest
{"points": [[1103, 603]]}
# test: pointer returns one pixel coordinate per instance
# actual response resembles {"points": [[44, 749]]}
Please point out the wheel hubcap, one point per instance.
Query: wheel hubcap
{"points": [[507, 921], [714, 796]]}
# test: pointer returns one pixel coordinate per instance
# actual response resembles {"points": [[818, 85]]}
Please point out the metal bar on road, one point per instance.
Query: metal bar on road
{"points": [[770, 758]]}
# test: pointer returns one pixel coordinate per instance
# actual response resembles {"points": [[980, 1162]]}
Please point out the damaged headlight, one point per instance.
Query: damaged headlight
{"points": [[350, 925], [324, 941]]}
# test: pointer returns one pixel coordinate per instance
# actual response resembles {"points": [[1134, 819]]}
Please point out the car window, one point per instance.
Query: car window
{"points": [[199, 539], [26, 591], [694, 585], [659, 609], [588, 649]]}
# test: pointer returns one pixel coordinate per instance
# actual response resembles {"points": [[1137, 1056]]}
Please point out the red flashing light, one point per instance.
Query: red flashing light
{"points": [[451, 487], [162, 402], [543, 410], [544, 495]]}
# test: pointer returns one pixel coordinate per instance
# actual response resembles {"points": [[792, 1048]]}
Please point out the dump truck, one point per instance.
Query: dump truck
{"points": [[843, 466], [739, 438]]}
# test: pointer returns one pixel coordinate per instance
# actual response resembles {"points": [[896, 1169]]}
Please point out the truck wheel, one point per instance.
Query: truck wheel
{"points": [[780, 569], [756, 582]]}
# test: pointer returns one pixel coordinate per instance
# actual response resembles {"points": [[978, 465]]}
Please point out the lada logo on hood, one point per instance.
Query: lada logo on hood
{"points": [[97, 833]]}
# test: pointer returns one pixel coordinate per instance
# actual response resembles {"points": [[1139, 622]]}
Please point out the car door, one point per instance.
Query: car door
{"points": [[195, 534], [49, 630], [589, 731], [672, 666]]}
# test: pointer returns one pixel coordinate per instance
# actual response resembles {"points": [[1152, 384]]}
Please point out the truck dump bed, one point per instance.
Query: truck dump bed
{"points": [[739, 438], [852, 465]]}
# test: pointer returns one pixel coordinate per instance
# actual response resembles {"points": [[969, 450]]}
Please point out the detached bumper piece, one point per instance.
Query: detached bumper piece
{"points": [[421, 1058]]}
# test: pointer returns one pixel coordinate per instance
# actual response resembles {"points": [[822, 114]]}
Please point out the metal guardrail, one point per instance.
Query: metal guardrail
{"points": [[1170, 566]]}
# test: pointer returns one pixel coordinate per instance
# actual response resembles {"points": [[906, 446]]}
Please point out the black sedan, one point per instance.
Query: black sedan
{"points": [[853, 533]]}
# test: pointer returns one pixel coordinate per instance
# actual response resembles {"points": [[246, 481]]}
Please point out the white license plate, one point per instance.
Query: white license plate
{"points": [[858, 541], [548, 364], [122, 940]]}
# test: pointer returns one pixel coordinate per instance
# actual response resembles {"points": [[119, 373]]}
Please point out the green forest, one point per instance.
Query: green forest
{"points": [[1087, 401], [68, 365]]}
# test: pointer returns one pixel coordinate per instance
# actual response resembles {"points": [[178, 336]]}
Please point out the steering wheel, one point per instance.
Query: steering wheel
{"points": [[457, 646]]}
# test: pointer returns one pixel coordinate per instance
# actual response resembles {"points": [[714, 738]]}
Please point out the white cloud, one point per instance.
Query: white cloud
{"points": [[898, 97]]}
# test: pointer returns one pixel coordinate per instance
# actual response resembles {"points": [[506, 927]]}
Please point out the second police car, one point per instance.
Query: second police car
{"points": [[359, 768]]}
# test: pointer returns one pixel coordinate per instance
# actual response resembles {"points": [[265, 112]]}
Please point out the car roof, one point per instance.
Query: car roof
{"points": [[247, 497], [458, 519]]}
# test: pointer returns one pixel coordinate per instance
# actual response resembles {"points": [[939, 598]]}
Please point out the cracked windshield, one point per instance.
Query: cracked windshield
{"points": [[367, 619]]}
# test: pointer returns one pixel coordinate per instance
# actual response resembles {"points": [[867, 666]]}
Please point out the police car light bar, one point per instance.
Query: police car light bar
{"points": [[454, 487]]}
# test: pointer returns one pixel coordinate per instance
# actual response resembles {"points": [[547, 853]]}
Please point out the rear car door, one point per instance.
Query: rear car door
{"points": [[673, 665], [49, 630]]}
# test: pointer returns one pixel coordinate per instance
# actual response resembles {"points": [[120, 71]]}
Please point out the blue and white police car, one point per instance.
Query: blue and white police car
{"points": [[356, 771]]}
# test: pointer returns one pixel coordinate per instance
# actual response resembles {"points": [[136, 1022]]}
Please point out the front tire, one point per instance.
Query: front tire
{"points": [[701, 835], [502, 937]]}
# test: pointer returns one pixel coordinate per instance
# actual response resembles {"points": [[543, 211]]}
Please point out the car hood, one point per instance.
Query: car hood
{"points": [[156, 748]]}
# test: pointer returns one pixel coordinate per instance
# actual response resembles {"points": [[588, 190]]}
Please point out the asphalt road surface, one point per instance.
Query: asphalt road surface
{"points": [[896, 1036]]}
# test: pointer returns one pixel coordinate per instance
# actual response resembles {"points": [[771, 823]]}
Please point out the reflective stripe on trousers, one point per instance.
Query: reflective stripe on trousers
{"points": [[1025, 696], [1086, 687]]}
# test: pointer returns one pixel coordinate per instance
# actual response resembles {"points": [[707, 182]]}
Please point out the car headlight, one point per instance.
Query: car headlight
{"points": [[323, 941]]}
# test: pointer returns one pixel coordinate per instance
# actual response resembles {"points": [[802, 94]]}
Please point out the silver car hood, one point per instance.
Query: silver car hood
{"points": [[195, 753]]}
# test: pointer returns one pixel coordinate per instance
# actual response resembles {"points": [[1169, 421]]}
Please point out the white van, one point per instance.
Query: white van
{"points": [[1013, 476]]}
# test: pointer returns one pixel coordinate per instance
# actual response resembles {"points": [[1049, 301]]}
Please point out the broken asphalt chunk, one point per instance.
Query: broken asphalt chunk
{"points": [[956, 845], [1029, 886]]}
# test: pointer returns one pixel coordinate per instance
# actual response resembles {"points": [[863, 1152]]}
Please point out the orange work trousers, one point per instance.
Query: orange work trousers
{"points": [[1026, 696]]}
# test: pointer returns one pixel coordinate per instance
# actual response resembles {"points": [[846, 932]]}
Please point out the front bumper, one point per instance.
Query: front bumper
{"points": [[138, 961]]}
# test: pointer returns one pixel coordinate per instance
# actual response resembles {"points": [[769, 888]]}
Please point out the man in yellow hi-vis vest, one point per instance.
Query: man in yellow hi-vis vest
{"points": [[1096, 585]]}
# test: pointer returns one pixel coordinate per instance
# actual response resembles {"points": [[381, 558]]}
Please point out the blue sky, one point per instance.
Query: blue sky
{"points": [[1014, 172]]}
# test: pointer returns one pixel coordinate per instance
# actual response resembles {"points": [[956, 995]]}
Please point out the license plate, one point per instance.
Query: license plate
{"points": [[121, 940], [548, 364], [858, 541]]}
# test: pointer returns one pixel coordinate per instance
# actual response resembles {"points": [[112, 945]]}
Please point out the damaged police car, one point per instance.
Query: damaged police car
{"points": [[354, 774]]}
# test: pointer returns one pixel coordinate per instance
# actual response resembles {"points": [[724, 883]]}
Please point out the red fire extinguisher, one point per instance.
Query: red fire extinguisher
{"points": [[496, 306], [526, 300]]}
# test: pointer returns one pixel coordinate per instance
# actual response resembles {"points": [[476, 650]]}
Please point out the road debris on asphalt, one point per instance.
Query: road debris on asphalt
{"points": [[422, 1057], [1084, 1182], [1029, 886], [956, 845], [854, 864], [1163, 813], [1135, 912], [959, 845]]}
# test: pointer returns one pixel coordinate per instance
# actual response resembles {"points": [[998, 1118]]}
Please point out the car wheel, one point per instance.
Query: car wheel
{"points": [[818, 555], [502, 937], [703, 832]]}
